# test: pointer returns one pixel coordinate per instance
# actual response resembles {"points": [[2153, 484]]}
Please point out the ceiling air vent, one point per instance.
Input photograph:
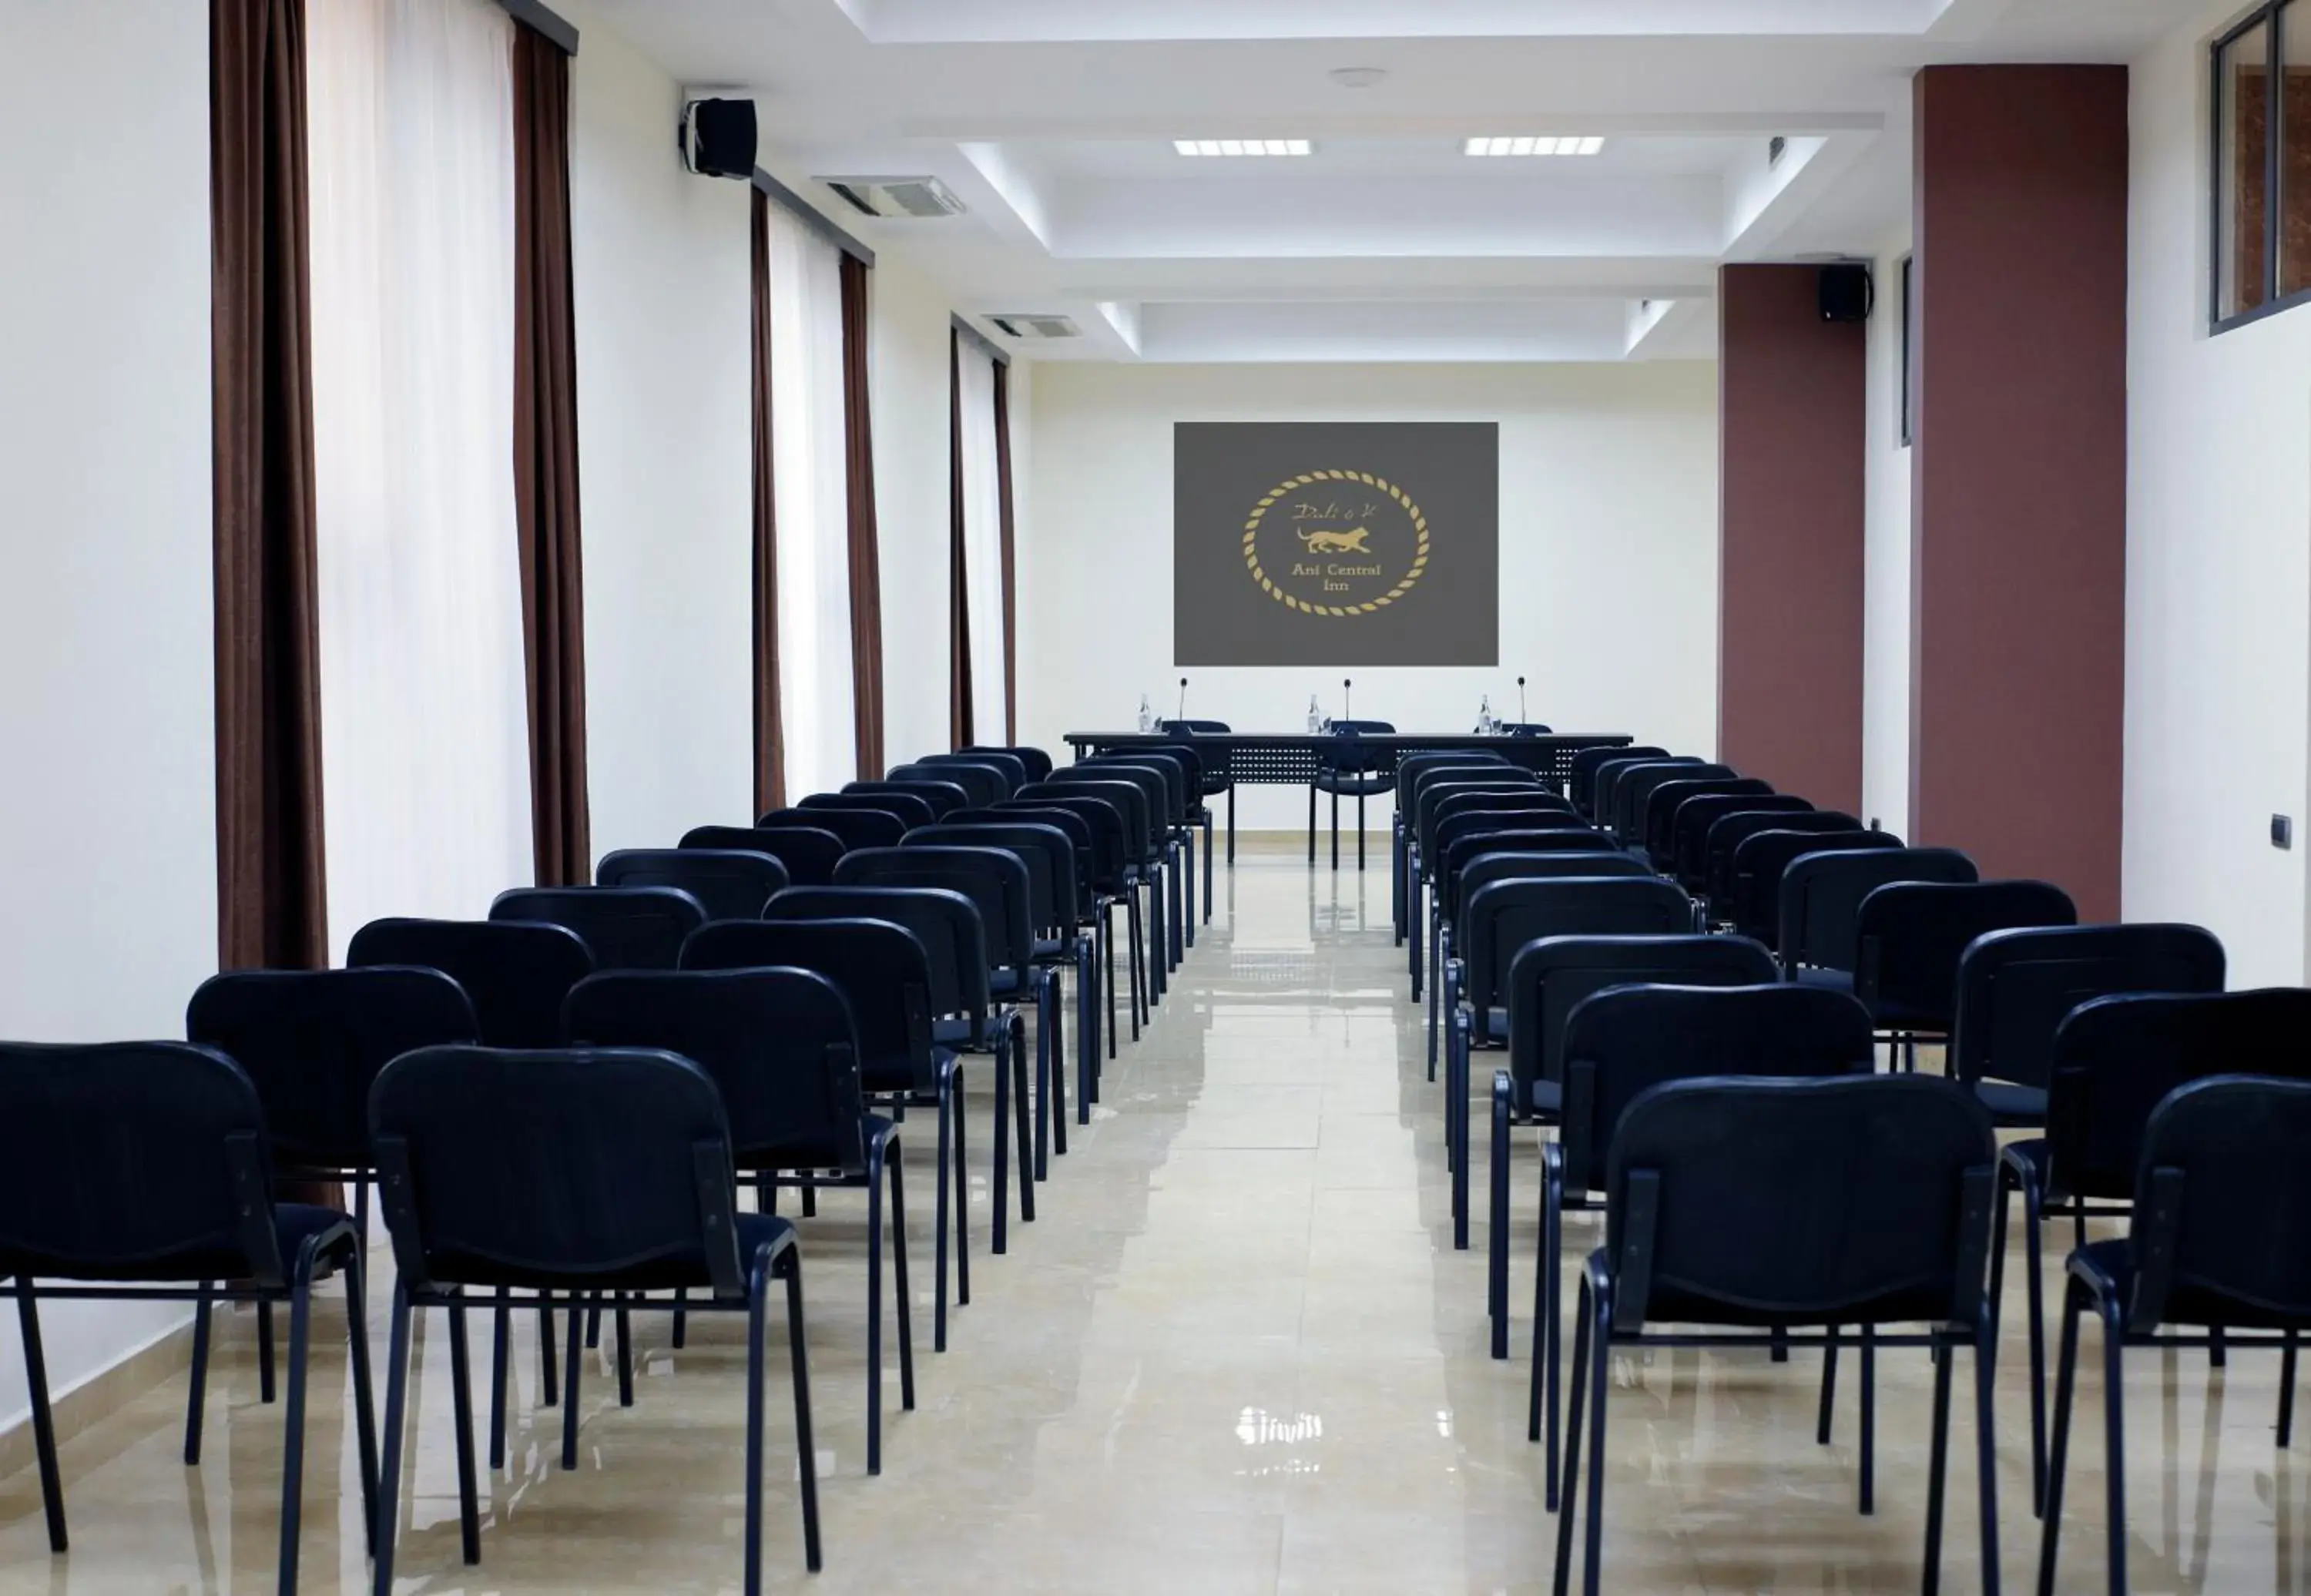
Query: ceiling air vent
{"points": [[1037, 326], [897, 197], [1775, 148]]}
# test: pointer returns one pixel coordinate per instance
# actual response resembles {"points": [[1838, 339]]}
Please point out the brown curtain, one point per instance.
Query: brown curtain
{"points": [[1010, 558], [866, 566], [546, 461], [770, 735], [958, 604], [271, 883]]}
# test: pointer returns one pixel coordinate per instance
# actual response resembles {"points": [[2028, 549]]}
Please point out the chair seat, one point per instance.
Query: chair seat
{"points": [[2013, 1107], [1495, 1028], [1675, 1302], [1546, 1099], [953, 1032], [1003, 984], [812, 1156], [2114, 1260], [292, 1223], [1827, 980], [1352, 783], [665, 1272]]}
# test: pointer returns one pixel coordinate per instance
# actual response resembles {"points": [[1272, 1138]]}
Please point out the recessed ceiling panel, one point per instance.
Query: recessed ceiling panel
{"points": [[988, 22]]}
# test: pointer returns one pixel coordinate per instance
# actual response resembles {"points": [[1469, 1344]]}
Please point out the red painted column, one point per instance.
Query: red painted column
{"points": [[2018, 472], [1791, 388]]}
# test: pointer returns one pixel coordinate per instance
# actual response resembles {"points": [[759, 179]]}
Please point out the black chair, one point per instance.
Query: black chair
{"points": [[1014, 768], [588, 1172], [625, 928], [2222, 1202], [1731, 831], [1142, 859], [729, 884], [139, 1170], [1764, 859], [1524, 728], [1820, 903], [1408, 768], [1214, 765], [1166, 782], [912, 808], [516, 973], [1635, 790], [1034, 763], [1473, 834], [1580, 779], [1346, 769], [1108, 875], [1547, 978], [1910, 936], [943, 796], [1765, 1204], [980, 783], [1530, 801], [1198, 815], [857, 828], [2115, 1058], [1696, 815], [1620, 1040], [1657, 824], [1605, 796], [781, 1049], [1431, 790], [2015, 987], [808, 853]]}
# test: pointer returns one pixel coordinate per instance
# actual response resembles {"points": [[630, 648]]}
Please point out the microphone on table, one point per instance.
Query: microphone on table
{"points": [[1522, 719], [1346, 685], [1183, 698]]}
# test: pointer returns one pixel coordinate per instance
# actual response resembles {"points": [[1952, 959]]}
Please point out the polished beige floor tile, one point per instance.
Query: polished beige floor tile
{"points": [[1236, 1352]]}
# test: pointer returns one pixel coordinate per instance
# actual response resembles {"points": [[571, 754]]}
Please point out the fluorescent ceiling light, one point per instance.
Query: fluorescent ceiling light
{"points": [[1565, 144], [1243, 146]]}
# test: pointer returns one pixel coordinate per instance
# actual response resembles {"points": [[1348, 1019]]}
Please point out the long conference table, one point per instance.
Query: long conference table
{"points": [[1289, 759]]}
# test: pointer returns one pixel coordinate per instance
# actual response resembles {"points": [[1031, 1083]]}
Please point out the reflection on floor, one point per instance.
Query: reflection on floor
{"points": [[1236, 1353]]}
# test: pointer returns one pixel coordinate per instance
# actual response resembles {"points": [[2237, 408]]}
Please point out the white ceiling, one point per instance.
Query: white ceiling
{"points": [[1052, 120]]}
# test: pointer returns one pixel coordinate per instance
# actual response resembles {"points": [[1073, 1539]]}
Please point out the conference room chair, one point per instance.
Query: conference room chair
{"points": [[1764, 858], [982, 783], [807, 852], [1495, 922], [1548, 978], [1089, 865], [728, 883], [1430, 790], [1657, 826], [1196, 814], [2015, 987], [1452, 843], [912, 808], [1910, 934], [1013, 768], [1709, 1184], [1731, 831], [1620, 1040], [467, 1219], [1143, 855], [142, 1171], [1820, 903], [1580, 779], [1108, 873], [943, 796], [1034, 763], [625, 928], [1409, 769], [1634, 793], [857, 828], [1533, 800], [2115, 1058], [1697, 816], [2222, 1203], [1216, 781], [1524, 728], [1344, 768], [1605, 790], [1171, 799], [516, 973], [993, 884], [781, 1047]]}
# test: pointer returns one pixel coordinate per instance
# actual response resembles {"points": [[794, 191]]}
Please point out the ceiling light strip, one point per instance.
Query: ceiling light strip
{"points": [[1243, 146], [1535, 144]]}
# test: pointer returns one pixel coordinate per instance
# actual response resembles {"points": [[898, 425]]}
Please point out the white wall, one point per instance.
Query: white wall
{"points": [[913, 451], [107, 818], [661, 261], [2218, 557], [1608, 541], [1886, 563]]}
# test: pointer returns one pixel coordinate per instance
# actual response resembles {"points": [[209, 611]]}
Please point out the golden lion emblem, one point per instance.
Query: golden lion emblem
{"points": [[1338, 543]]}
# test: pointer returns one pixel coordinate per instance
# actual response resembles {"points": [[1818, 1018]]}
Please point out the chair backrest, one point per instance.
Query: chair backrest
{"points": [[983, 784], [1082, 842], [1696, 815], [1212, 764], [1500, 916], [1731, 831], [1762, 860], [779, 1043], [857, 828], [1450, 829], [808, 853], [1524, 728], [1105, 819], [1548, 977], [134, 1161], [1635, 788], [1911, 935], [880, 967], [992, 878], [1346, 754], [564, 1167], [941, 796], [1534, 800], [516, 973], [1433, 791], [1034, 764], [1190, 763], [1581, 781], [1657, 826], [912, 808], [946, 922], [1045, 849], [1605, 790], [1131, 799], [1409, 767], [1551, 851], [625, 927], [2222, 1203], [1619, 1042], [1014, 768], [728, 883], [311, 1041], [2115, 1058], [1861, 1199], [2015, 987], [1821, 892], [1160, 776]]}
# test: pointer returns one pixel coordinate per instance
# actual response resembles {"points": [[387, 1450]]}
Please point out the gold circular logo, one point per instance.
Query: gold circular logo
{"points": [[1358, 543]]}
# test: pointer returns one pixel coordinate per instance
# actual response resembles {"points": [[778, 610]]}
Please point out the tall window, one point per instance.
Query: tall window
{"points": [[982, 539], [812, 494], [423, 719], [2263, 163]]}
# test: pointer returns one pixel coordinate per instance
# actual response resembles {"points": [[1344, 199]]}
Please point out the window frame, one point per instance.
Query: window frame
{"points": [[1905, 376], [2273, 14]]}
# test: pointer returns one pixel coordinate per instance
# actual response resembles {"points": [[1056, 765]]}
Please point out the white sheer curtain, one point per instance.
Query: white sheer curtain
{"points": [[812, 504], [982, 545], [424, 738]]}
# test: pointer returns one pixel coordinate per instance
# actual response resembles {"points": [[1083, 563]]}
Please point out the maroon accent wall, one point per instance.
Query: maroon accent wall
{"points": [[1791, 388], [2018, 472]]}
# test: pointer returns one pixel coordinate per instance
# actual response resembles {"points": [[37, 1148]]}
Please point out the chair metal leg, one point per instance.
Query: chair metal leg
{"points": [[2113, 1419], [1938, 1468], [1336, 830], [806, 1454], [1137, 957], [2035, 1289], [752, 1579], [2286, 1393], [1985, 1445], [1601, 1352], [196, 1402], [44, 1425], [1563, 1575], [1106, 937], [461, 1408], [593, 1324], [1360, 830], [962, 1177], [1001, 1170], [1207, 866], [1497, 1227], [265, 1352], [364, 1407], [1312, 828], [1045, 1007], [895, 1164], [1055, 1064], [625, 1354], [549, 1377], [939, 1212], [390, 1443], [570, 1363], [501, 1324], [1086, 1026], [1869, 1419], [1828, 1390], [2066, 1371], [1231, 825], [875, 1156], [1021, 1107], [1548, 1337]]}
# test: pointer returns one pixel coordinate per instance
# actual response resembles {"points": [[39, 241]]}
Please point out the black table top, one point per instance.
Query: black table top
{"points": [[1401, 741]]}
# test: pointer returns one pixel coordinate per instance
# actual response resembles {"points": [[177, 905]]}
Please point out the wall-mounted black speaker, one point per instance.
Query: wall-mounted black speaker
{"points": [[718, 138], [1847, 293]]}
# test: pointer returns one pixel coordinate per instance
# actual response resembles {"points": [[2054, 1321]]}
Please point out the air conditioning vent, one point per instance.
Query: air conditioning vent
{"points": [[897, 197], [1027, 327], [1775, 148]]}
